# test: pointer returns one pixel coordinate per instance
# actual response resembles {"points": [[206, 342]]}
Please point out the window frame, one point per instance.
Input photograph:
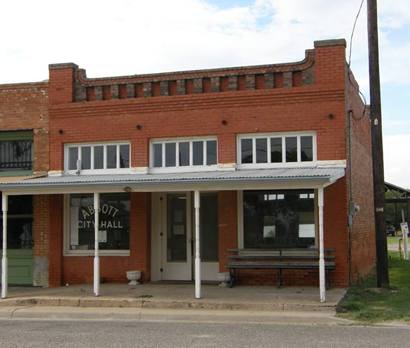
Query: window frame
{"points": [[66, 236], [177, 168], [19, 135], [240, 216], [268, 136], [104, 170]]}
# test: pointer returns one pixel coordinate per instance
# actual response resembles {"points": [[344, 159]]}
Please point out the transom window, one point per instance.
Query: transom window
{"points": [[183, 153], [276, 148], [97, 157]]}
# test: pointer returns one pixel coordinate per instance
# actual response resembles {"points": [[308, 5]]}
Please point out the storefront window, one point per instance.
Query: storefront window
{"points": [[114, 221], [279, 219]]}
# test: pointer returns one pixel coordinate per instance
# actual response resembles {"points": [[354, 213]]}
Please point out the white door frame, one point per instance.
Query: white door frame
{"points": [[209, 270], [161, 268]]}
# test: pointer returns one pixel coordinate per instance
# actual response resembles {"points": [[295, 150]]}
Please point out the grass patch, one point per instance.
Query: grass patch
{"points": [[392, 240], [365, 302]]}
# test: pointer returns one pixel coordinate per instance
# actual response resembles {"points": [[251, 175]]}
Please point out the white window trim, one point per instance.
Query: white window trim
{"points": [[98, 171], [66, 238], [268, 136], [178, 168], [239, 209]]}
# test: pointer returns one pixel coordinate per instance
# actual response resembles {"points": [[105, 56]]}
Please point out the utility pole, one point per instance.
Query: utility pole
{"points": [[377, 145]]}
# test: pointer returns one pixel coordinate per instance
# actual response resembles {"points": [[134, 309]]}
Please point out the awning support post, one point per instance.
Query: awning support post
{"points": [[322, 284], [96, 244], [4, 280], [197, 246]]}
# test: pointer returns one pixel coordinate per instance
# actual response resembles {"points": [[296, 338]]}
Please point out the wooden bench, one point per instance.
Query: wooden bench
{"points": [[278, 259]]}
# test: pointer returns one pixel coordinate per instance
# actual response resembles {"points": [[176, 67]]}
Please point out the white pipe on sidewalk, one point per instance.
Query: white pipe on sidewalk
{"points": [[96, 244], [322, 284], [4, 264], [197, 246]]}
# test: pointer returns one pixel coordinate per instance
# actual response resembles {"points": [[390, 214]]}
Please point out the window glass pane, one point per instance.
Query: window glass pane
{"points": [[176, 228], [246, 151], [306, 146], [278, 219], [111, 156], [198, 153], [86, 157], [98, 157], [211, 152], [114, 221], [262, 150], [16, 154], [184, 154], [291, 149], [20, 222], [170, 154], [157, 148], [72, 158], [276, 150], [124, 156]]}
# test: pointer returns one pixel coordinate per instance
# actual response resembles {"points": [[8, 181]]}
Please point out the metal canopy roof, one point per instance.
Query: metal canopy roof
{"points": [[238, 179]]}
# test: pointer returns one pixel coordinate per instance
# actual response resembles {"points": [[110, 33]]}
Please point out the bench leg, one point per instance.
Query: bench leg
{"points": [[231, 278], [327, 280], [280, 280]]}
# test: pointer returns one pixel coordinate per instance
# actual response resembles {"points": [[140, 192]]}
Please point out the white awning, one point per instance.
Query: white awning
{"points": [[273, 178]]}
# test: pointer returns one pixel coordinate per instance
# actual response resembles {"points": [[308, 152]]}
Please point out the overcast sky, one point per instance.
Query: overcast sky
{"points": [[124, 37]]}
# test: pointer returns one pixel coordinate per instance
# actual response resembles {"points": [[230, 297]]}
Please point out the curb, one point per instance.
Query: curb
{"points": [[101, 302], [169, 315]]}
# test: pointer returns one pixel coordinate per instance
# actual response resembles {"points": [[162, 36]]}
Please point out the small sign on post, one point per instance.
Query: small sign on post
{"points": [[405, 230]]}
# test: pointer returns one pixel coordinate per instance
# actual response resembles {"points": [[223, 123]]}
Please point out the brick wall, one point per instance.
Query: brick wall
{"points": [[287, 107], [41, 224], [360, 185], [24, 106], [56, 203]]}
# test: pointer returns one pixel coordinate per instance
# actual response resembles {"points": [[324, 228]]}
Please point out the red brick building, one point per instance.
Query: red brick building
{"points": [[274, 157]]}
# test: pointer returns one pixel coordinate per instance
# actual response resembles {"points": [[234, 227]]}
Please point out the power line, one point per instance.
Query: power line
{"points": [[353, 30], [350, 61]]}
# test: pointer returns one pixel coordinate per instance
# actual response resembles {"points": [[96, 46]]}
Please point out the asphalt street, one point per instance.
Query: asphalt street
{"points": [[85, 333]]}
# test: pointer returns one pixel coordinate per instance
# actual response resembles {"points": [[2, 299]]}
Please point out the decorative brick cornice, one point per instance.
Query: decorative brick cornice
{"points": [[193, 82]]}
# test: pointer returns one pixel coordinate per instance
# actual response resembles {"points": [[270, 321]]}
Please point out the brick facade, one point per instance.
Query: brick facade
{"points": [[24, 106], [360, 191], [312, 95]]}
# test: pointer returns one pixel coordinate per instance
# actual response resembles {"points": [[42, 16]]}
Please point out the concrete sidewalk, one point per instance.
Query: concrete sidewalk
{"points": [[178, 296]]}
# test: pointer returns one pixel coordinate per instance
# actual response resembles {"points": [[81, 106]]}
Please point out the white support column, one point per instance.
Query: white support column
{"points": [[96, 244], [197, 246], [322, 281], [4, 266]]}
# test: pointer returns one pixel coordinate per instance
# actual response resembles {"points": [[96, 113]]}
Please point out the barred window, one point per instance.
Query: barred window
{"points": [[16, 155]]}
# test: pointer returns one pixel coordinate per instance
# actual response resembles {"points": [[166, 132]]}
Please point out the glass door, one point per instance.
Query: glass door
{"points": [[176, 237]]}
